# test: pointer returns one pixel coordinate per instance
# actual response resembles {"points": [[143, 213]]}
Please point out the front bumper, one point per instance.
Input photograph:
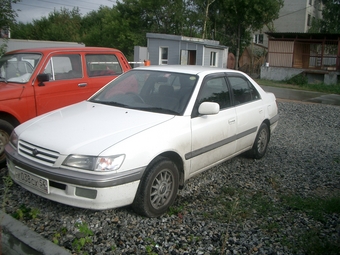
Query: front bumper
{"points": [[85, 190]]}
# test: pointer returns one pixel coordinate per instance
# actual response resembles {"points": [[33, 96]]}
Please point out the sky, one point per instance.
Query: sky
{"points": [[28, 10]]}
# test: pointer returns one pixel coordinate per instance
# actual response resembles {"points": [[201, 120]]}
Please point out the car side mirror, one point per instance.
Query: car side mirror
{"points": [[208, 108], [42, 78]]}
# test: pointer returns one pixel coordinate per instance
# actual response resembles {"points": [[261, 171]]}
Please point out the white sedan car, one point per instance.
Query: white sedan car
{"points": [[141, 137]]}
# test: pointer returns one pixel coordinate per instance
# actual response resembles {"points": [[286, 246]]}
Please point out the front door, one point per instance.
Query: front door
{"points": [[212, 135]]}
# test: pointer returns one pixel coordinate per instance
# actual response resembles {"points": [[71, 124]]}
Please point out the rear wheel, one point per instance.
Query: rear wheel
{"points": [[261, 142], [5, 131], [158, 189]]}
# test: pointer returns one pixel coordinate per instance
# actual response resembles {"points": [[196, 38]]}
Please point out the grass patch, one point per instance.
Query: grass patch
{"points": [[235, 205], [314, 207], [311, 242], [301, 85]]}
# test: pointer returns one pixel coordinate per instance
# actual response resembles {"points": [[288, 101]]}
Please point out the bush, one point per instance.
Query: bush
{"points": [[299, 80]]}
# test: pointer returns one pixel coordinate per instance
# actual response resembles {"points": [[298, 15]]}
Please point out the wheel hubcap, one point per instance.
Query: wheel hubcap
{"points": [[263, 139], [162, 189], [4, 138]]}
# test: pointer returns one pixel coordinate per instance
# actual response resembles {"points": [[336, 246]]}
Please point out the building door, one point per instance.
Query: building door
{"points": [[188, 57]]}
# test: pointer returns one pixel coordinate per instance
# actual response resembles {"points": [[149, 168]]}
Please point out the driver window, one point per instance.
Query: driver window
{"points": [[214, 90], [64, 67]]}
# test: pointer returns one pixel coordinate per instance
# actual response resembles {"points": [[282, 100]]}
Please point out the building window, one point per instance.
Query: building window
{"points": [[213, 58], [258, 38], [163, 56], [309, 21]]}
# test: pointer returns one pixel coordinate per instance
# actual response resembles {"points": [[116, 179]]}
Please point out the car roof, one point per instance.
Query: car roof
{"points": [[54, 49], [187, 69]]}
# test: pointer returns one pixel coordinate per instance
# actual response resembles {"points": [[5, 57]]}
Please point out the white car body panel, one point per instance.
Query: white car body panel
{"points": [[94, 125]]}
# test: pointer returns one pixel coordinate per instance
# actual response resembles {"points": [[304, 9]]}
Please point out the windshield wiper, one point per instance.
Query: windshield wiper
{"points": [[157, 109], [109, 103]]}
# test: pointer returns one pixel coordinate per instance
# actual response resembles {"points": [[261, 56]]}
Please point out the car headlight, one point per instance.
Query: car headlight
{"points": [[109, 163], [14, 140]]}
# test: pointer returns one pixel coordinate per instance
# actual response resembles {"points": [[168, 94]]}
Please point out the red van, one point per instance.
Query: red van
{"points": [[36, 81]]}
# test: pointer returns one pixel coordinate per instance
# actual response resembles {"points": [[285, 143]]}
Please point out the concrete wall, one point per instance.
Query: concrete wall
{"points": [[282, 74], [278, 73]]}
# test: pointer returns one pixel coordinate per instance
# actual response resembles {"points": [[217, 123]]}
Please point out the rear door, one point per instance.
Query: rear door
{"points": [[249, 110], [101, 68]]}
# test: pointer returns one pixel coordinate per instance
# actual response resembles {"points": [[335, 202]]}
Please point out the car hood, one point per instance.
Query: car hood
{"points": [[10, 90], [87, 128]]}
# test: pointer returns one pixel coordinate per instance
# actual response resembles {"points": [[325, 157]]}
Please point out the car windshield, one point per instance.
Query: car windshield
{"points": [[18, 67], [156, 91]]}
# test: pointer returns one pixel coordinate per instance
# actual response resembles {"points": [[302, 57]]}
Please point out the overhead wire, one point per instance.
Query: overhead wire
{"points": [[62, 4]]}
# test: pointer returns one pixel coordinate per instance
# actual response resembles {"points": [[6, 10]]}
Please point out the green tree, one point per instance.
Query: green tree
{"points": [[126, 24], [330, 22], [7, 19], [236, 19], [118, 27], [62, 25], [22, 31]]}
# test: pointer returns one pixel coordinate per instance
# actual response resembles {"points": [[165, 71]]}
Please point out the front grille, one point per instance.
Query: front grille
{"points": [[37, 154]]}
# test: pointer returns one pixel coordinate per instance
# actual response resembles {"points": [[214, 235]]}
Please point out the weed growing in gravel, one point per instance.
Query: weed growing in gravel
{"points": [[56, 238], [85, 233], [233, 211], [25, 213], [194, 239], [149, 248], [337, 160], [57, 235], [175, 210], [8, 182]]}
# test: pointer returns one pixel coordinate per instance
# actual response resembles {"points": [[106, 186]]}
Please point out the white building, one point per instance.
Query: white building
{"points": [[295, 16]]}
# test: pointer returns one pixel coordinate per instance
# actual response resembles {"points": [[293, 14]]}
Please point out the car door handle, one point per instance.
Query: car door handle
{"points": [[231, 121], [82, 84]]}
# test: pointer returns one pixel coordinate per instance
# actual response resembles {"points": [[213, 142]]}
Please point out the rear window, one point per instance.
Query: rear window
{"points": [[102, 65]]}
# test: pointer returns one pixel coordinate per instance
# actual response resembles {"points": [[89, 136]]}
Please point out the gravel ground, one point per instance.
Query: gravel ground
{"points": [[242, 206]]}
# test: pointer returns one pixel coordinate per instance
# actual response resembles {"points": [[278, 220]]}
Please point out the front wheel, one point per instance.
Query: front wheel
{"points": [[261, 143], [157, 190], [5, 131]]}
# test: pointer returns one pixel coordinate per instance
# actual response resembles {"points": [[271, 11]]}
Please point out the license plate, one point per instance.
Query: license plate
{"points": [[33, 181]]}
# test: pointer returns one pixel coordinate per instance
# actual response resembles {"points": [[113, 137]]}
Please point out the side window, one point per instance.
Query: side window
{"points": [[62, 67], [102, 65], [243, 90], [163, 54], [213, 58], [214, 90]]}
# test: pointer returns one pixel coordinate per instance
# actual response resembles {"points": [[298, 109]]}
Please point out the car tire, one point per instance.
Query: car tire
{"points": [[5, 131], [261, 142], [158, 189]]}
